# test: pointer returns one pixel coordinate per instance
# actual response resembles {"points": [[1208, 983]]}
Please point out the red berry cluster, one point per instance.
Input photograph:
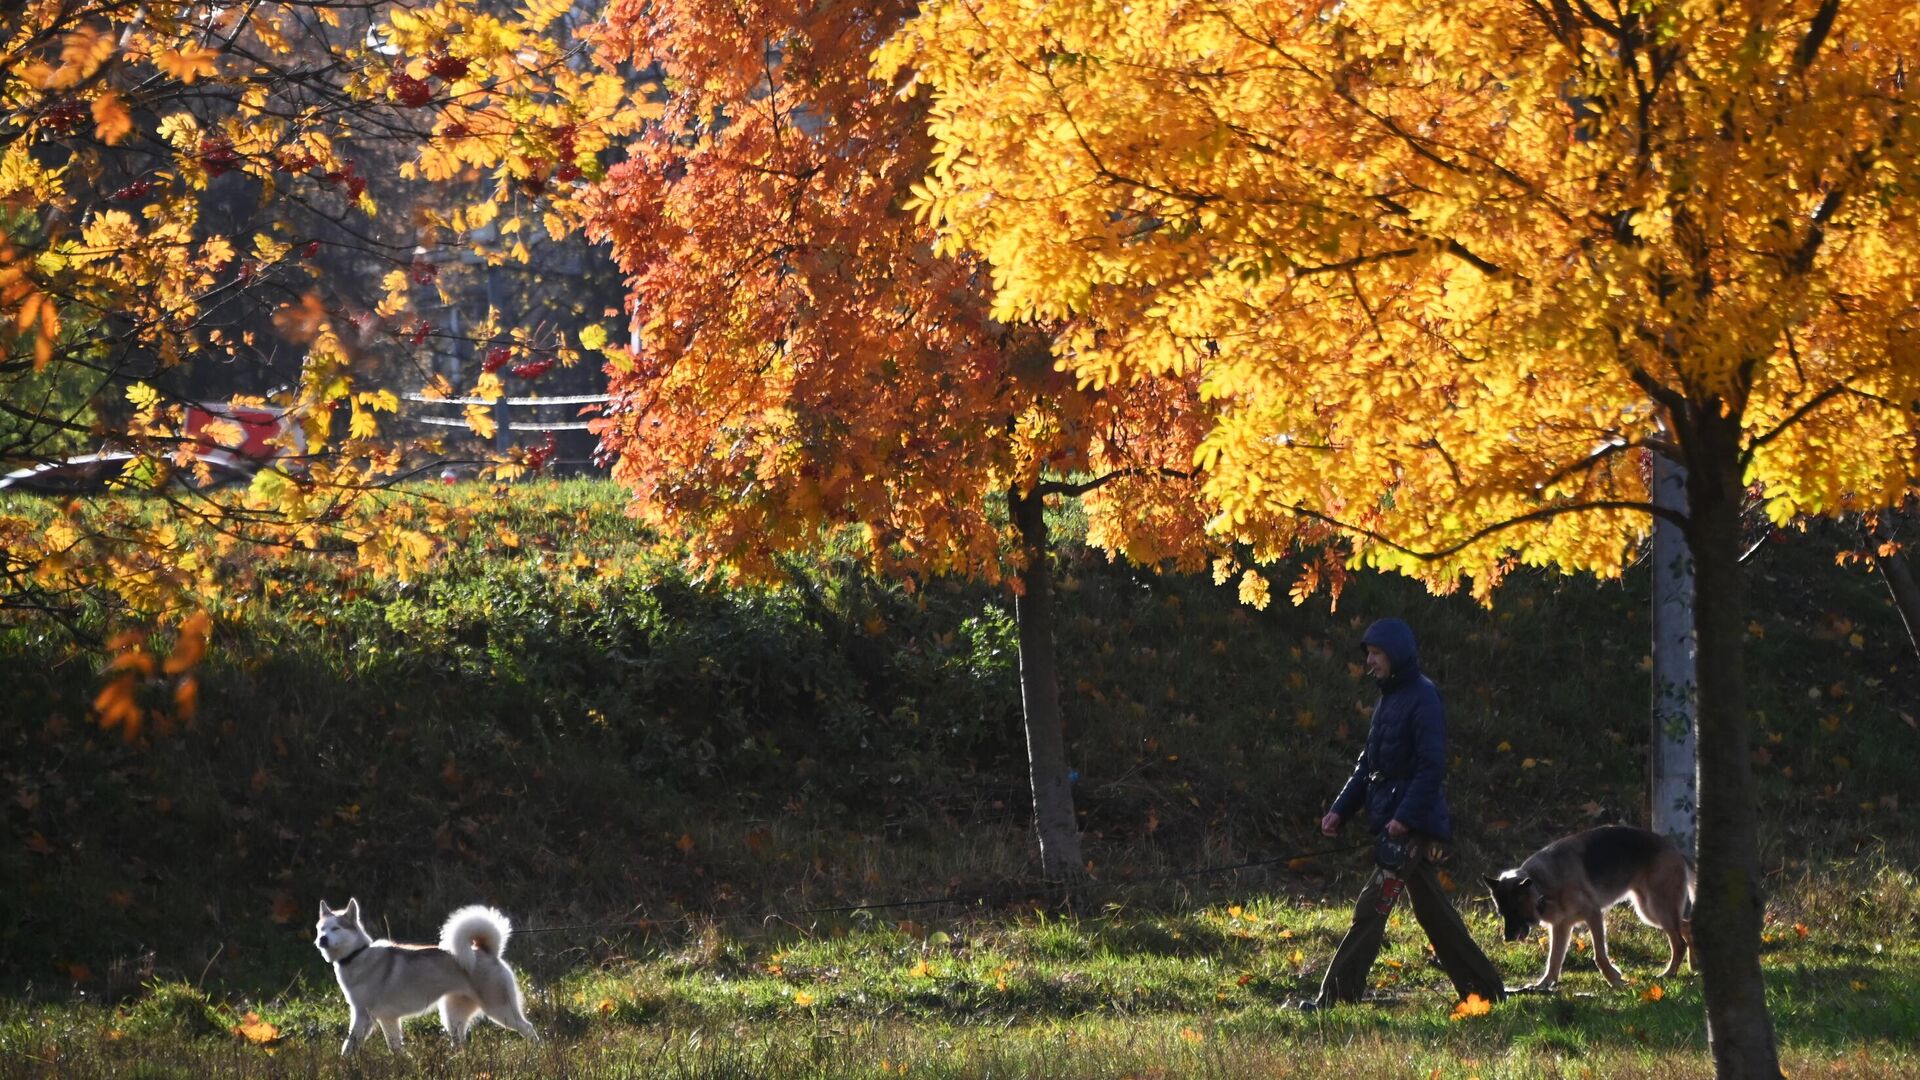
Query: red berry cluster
{"points": [[420, 331], [349, 175], [532, 369], [217, 155], [455, 131], [443, 66], [424, 272], [411, 92], [310, 249], [497, 358], [65, 117], [137, 190], [539, 456]]}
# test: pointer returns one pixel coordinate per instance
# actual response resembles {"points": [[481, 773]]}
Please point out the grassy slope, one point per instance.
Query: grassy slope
{"points": [[578, 747]]}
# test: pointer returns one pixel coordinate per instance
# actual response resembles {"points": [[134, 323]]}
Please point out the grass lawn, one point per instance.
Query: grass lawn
{"points": [[1117, 993]]}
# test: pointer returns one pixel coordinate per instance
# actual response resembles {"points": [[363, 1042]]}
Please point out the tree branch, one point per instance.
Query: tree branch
{"points": [[1545, 513], [1061, 487], [1816, 33]]}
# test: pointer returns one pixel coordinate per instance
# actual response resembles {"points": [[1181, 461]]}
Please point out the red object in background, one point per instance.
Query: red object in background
{"points": [[447, 67], [262, 426], [539, 456]]}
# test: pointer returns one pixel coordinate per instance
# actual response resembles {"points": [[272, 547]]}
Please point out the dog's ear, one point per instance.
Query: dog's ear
{"points": [[353, 912], [1521, 883], [1492, 882], [324, 909]]}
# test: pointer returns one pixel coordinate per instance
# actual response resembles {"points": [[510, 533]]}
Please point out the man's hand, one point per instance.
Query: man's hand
{"points": [[1330, 825], [1397, 830]]}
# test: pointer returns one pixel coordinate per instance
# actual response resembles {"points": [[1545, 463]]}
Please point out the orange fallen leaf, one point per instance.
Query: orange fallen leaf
{"points": [[1652, 993], [257, 1031], [1474, 1005]]}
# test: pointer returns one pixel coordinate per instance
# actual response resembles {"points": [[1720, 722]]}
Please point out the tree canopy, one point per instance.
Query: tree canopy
{"points": [[209, 207], [1452, 273], [1456, 265]]}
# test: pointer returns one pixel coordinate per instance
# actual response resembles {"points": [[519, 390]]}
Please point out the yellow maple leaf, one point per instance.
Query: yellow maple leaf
{"points": [[187, 65]]}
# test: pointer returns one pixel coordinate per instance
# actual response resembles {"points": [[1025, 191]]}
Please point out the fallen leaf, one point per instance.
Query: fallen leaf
{"points": [[1474, 1005]]}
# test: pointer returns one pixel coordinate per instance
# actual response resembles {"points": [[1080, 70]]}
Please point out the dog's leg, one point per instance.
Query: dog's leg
{"points": [[358, 1029], [1663, 905], [1558, 934], [504, 1010], [391, 1026], [1597, 925], [456, 1012], [1677, 951], [499, 997], [510, 1017]]}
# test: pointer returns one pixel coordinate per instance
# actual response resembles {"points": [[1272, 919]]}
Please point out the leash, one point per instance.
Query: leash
{"points": [[998, 896]]}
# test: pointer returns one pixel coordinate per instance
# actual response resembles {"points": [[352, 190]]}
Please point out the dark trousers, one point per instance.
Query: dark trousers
{"points": [[1465, 964]]}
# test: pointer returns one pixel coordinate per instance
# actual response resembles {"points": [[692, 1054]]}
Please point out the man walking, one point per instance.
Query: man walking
{"points": [[1399, 780]]}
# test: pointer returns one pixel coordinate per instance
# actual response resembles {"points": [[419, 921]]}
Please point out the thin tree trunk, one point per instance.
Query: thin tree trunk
{"points": [[1672, 783], [1053, 818], [1728, 914], [1899, 578]]}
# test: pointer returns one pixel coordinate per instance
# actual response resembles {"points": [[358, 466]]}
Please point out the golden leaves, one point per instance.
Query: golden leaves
{"points": [[111, 120], [1473, 1005], [188, 64], [301, 323], [255, 1031]]}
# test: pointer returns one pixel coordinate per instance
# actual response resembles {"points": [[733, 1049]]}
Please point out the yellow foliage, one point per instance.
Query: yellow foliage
{"points": [[188, 64], [1447, 290]]}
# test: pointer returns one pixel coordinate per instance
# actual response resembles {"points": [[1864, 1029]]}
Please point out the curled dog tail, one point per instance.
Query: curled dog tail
{"points": [[475, 928]]}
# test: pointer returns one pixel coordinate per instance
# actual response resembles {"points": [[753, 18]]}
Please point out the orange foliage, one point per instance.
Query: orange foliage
{"points": [[807, 360]]}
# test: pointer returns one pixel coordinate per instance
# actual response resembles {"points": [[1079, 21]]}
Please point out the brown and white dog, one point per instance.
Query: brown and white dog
{"points": [[385, 983], [1576, 879]]}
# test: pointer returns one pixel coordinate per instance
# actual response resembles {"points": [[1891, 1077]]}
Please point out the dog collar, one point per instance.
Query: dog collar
{"points": [[349, 958]]}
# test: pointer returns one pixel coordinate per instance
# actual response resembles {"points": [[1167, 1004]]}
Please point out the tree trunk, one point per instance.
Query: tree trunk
{"points": [[1899, 578], [1671, 782], [1728, 914], [1053, 817]]}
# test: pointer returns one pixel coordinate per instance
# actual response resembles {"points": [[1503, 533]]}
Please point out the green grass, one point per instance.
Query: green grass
{"points": [[1112, 994], [557, 720]]}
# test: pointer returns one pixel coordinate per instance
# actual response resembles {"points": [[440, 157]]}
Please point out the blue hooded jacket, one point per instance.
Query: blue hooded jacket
{"points": [[1400, 773]]}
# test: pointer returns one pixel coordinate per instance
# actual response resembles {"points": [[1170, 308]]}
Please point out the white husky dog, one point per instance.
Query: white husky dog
{"points": [[385, 982]]}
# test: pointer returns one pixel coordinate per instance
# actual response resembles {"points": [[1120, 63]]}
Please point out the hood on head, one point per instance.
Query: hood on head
{"points": [[1395, 638]]}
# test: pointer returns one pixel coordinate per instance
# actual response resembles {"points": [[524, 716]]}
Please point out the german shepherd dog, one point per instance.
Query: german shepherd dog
{"points": [[385, 983], [1577, 878]]}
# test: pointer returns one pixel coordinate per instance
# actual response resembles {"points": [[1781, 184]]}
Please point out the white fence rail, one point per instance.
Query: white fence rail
{"points": [[504, 420]]}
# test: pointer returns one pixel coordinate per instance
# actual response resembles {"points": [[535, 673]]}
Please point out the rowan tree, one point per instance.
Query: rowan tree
{"points": [[807, 365], [1454, 273], [192, 202]]}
